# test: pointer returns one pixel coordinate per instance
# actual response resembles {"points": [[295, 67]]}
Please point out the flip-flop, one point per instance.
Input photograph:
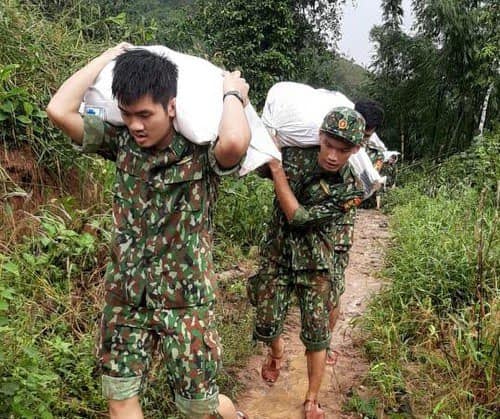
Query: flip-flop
{"points": [[331, 356], [271, 368], [313, 410], [240, 414]]}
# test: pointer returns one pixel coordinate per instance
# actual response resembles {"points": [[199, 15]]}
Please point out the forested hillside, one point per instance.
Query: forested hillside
{"points": [[437, 84], [433, 333]]}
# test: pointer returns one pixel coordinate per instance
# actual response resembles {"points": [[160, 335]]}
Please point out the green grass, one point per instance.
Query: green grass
{"points": [[243, 213], [433, 333], [51, 292]]}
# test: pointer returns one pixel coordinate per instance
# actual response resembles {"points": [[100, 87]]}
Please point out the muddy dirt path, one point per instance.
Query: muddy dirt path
{"points": [[284, 399]]}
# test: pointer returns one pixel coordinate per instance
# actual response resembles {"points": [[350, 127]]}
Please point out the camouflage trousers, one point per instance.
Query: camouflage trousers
{"points": [[187, 340], [341, 260], [271, 291]]}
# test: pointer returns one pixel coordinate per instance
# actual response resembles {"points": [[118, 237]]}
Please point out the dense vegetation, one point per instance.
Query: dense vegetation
{"points": [[55, 213], [436, 84], [54, 204], [433, 333]]}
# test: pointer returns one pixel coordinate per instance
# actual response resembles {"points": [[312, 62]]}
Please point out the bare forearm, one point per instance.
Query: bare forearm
{"points": [[63, 107], [234, 132]]}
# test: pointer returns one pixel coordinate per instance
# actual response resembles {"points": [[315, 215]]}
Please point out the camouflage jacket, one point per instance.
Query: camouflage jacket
{"points": [[324, 220], [161, 251], [376, 157]]}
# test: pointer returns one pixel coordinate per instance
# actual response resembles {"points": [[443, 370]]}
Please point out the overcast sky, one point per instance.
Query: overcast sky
{"points": [[357, 23]]}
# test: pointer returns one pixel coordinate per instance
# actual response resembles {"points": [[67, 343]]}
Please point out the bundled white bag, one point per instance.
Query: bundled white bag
{"points": [[294, 113], [376, 143], [198, 105], [394, 155], [363, 167]]}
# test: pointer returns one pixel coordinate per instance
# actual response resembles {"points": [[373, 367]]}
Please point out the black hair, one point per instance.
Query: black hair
{"points": [[139, 72], [372, 112]]}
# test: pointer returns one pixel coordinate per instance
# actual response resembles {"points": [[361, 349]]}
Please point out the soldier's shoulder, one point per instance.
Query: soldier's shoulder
{"points": [[348, 172], [349, 176], [300, 159]]}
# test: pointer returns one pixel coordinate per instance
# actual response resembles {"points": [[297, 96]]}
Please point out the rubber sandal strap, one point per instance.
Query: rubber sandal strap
{"points": [[331, 356], [314, 410]]}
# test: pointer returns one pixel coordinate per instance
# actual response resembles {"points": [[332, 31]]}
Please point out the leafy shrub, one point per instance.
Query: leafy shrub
{"points": [[17, 107], [477, 168], [243, 211], [433, 332], [49, 288]]}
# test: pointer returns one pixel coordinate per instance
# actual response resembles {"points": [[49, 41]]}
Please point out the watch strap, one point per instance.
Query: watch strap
{"points": [[234, 93]]}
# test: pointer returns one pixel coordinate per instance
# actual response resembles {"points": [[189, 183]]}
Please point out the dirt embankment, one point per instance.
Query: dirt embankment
{"points": [[284, 399]]}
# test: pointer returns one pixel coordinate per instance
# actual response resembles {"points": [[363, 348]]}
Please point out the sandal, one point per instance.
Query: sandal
{"points": [[240, 414], [331, 356], [313, 410], [271, 368]]}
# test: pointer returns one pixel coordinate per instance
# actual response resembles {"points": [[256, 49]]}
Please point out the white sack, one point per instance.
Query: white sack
{"points": [[376, 143], [294, 112], [390, 154], [363, 167], [198, 105]]}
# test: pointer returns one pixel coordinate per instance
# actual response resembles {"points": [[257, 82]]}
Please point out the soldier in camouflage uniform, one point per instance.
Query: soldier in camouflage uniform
{"points": [[315, 189], [373, 114], [160, 280]]}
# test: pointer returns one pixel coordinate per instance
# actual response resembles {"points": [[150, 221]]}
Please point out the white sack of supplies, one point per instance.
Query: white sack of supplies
{"points": [[198, 105], [394, 155], [293, 112], [376, 143]]}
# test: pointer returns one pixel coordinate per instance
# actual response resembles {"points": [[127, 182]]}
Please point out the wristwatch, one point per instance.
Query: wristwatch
{"points": [[234, 93]]}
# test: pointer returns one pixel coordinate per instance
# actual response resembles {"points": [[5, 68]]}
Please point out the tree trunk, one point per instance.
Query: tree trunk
{"points": [[454, 140], [402, 146], [402, 141], [485, 107]]}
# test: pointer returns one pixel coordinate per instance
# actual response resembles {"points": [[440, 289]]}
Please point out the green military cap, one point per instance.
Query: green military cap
{"points": [[345, 123]]}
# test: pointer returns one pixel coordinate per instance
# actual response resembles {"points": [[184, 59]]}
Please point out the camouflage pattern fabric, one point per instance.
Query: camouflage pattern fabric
{"points": [[307, 242], [186, 337], [321, 227], [390, 171], [270, 292], [161, 251], [376, 157], [343, 243], [345, 123]]}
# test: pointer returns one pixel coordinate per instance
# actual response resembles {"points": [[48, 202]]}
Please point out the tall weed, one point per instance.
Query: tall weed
{"points": [[477, 168], [243, 212], [433, 333], [49, 289]]}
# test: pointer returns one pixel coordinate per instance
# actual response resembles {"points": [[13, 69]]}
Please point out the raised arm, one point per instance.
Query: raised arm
{"points": [[63, 107], [234, 131]]}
